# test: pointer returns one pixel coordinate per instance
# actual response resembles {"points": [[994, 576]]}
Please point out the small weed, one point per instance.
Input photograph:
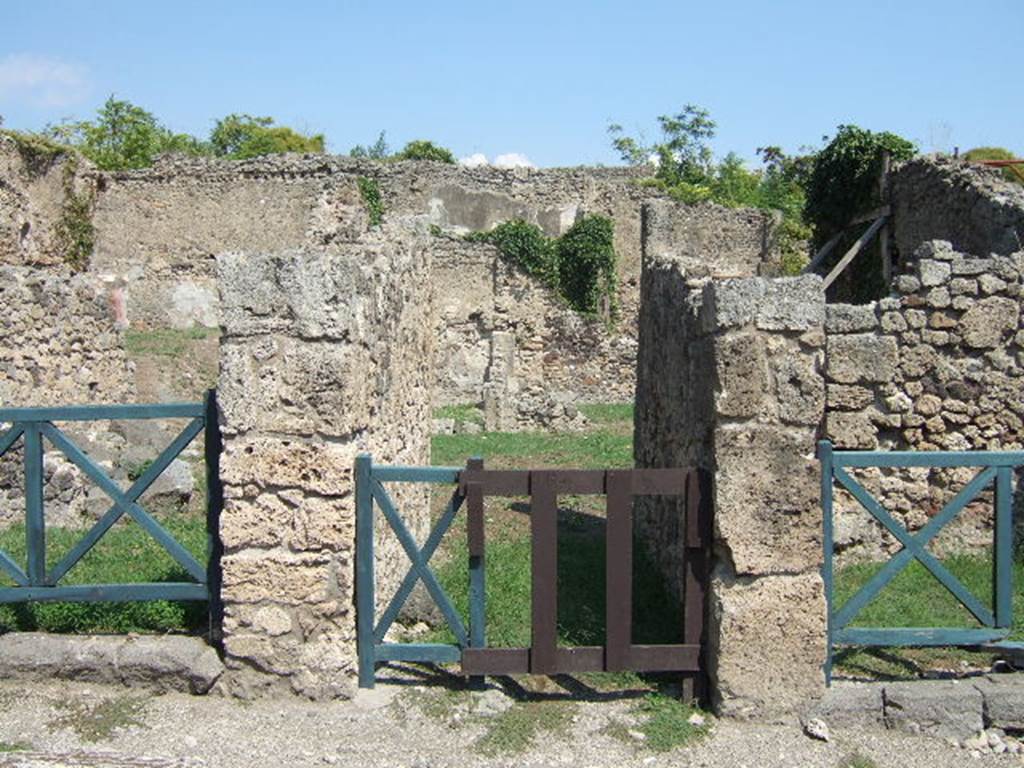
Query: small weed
{"points": [[369, 190], [857, 760], [514, 730], [440, 705], [618, 730], [665, 723], [14, 746], [165, 342], [98, 720]]}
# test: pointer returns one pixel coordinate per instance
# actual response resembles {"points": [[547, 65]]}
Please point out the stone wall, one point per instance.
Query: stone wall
{"points": [[729, 379], [939, 365], [970, 206], [324, 355], [61, 343]]}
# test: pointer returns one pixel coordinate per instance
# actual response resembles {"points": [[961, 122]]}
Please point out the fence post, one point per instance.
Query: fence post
{"points": [[35, 530], [1002, 561], [699, 511], [212, 446], [365, 597], [825, 457]]}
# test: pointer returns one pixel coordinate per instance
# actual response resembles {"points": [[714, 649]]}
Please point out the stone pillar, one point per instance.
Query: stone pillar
{"points": [[730, 379], [323, 356]]}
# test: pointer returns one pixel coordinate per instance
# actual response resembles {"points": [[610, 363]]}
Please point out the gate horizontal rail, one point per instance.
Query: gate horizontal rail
{"points": [[38, 581], [995, 468], [544, 656]]}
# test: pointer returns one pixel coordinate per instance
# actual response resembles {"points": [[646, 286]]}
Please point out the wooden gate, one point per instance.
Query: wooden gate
{"points": [[543, 487]]}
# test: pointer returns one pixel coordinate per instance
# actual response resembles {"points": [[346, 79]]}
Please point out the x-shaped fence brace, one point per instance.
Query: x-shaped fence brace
{"points": [[35, 582]]}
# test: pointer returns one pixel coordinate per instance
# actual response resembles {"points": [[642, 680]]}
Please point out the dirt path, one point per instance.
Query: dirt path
{"points": [[408, 725]]}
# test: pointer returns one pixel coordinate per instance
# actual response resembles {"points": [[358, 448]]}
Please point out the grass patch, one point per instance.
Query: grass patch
{"points": [[165, 342], [515, 730], [98, 720], [14, 746], [915, 598], [460, 413], [126, 554], [608, 413], [665, 723], [857, 761], [590, 450]]}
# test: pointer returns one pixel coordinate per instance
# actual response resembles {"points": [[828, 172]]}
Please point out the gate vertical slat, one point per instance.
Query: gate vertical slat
{"points": [[618, 569], [544, 572], [699, 530], [476, 540], [1002, 562], [35, 525], [212, 446], [825, 456], [365, 599]]}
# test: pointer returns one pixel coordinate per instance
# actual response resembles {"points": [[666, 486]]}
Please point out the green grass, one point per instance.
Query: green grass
{"points": [[857, 760], [608, 413], [916, 599], [461, 413], [165, 342], [14, 746], [665, 723], [95, 721], [590, 450], [126, 554], [517, 728]]}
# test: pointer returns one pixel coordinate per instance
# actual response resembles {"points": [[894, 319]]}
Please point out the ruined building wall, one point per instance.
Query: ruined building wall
{"points": [[972, 207], [60, 344], [939, 365], [325, 355]]}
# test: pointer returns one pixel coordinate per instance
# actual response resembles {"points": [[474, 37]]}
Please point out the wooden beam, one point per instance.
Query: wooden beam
{"points": [[856, 248]]}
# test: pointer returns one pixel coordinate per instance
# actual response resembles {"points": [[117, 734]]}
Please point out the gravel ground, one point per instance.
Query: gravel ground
{"points": [[408, 725]]}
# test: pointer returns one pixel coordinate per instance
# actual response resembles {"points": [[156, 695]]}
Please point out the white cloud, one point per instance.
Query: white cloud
{"points": [[474, 160], [41, 80], [513, 160]]}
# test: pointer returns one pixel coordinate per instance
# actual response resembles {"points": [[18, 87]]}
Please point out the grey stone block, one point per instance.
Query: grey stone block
{"points": [[944, 708], [1003, 701], [849, 705], [849, 318]]}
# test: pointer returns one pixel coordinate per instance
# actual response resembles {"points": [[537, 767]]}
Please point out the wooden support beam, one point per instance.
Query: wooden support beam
{"points": [[856, 248]]}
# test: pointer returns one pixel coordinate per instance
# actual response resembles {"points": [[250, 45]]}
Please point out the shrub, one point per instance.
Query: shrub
{"points": [[586, 265], [425, 150], [369, 190], [526, 246], [243, 136]]}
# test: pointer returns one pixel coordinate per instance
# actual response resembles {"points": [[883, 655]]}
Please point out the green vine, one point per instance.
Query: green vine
{"points": [[76, 234], [369, 190], [580, 265]]}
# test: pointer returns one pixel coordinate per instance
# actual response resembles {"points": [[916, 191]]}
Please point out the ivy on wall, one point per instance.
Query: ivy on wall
{"points": [[580, 265], [369, 190]]}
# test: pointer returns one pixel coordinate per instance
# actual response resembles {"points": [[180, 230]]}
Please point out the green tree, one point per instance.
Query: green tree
{"points": [[123, 136], [682, 155], [379, 150], [239, 137], [425, 150], [997, 153]]}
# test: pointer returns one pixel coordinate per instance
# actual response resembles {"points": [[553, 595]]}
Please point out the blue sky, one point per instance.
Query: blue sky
{"points": [[541, 79]]}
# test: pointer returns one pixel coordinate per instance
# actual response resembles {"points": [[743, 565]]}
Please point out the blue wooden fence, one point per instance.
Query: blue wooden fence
{"points": [[996, 622], [40, 581]]}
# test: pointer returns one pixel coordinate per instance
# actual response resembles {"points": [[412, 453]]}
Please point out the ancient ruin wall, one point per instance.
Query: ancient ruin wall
{"points": [[972, 207], [939, 365], [61, 343], [324, 355]]}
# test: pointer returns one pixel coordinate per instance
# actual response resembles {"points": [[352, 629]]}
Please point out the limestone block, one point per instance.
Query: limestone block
{"points": [[849, 397], [851, 430], [850, 318], [767, 497], [768, 643], [731, 303], [288, 578], [322, 468], [932, 272], [861, 358], [799, 387], [792, 304], [742, 371], [1004, 701], [986, 323]]}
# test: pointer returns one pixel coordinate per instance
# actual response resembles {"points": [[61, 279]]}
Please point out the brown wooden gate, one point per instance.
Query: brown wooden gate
{"points": [[543, 487]]}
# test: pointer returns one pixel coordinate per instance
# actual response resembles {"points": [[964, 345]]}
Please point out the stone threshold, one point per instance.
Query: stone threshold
{"points": [[160, 663]]}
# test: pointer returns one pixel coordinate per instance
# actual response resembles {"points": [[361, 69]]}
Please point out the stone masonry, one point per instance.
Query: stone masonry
{"points": [[939, 365], [325, 355], [730, 379], [61, 343]]}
